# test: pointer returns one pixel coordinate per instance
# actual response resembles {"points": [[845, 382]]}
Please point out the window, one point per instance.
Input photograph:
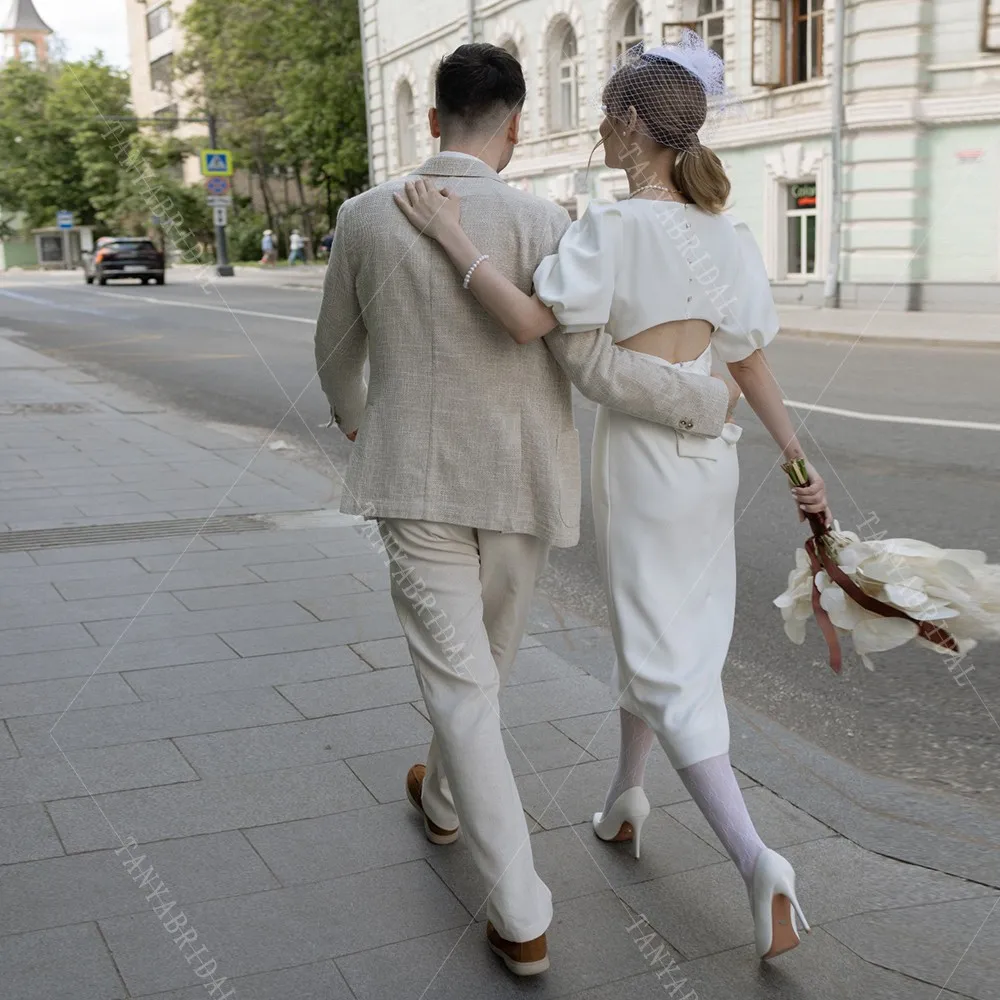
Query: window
{"points": [[27, 52], [510, 46], [801, 222], [806, 36], [628, 30], [564, 112], [406, 128], [161, 72], [787, 42], [989, 40], [158, 21], [711, 25]]}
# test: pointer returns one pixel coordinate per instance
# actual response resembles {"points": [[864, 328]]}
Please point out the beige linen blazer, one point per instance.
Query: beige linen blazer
{"points": [[458, 423]]}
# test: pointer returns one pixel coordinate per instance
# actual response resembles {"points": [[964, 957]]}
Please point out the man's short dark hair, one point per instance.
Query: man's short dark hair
{"points": [[477, 82]]}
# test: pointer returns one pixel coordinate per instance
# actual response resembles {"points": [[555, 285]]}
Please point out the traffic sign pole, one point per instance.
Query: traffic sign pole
{"points": [[222, 266]]}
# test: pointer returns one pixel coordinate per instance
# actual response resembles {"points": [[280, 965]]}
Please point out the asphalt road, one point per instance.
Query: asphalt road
{"points": [[241, 354]]}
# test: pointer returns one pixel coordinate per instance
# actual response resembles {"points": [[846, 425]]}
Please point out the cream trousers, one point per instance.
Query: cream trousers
{"points": [[462, 596]]}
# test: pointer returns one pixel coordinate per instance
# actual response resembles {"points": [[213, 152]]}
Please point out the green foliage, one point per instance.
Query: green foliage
{"points": [[244, 232], [66, 142], [285, 79]]}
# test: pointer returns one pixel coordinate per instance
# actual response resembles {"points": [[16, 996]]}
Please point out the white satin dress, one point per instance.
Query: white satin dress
{"points": [[664, 501]]}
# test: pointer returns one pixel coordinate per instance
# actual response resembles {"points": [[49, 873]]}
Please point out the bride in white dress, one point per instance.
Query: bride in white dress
{"points": [[670, 275]]}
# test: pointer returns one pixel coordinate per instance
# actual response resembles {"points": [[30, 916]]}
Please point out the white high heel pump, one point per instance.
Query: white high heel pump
{"points": [[775, 906], [623, 821]]}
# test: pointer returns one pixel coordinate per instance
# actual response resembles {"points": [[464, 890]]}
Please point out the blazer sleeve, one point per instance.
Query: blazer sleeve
{"points": [[626, 380], [341, 336]]}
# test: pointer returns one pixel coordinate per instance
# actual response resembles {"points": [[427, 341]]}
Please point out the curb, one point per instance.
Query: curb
{"points": [[890, 339]]}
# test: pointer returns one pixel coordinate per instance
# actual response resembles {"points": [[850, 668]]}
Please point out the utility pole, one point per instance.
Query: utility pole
{"points": [[831, 288], [472, 20], [222, 266]]}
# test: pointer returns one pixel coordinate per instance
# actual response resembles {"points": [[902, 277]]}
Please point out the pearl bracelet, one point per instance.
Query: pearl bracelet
{"points": [[472, 270]]}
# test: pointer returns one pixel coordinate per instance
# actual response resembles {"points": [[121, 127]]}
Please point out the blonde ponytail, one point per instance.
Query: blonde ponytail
{"points": [[700, 176]]}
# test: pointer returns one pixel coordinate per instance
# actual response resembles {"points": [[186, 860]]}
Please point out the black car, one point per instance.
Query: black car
{"points": [[124, 257]]}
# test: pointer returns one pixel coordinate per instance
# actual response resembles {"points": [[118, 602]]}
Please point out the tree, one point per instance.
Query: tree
{"points": [[285, 79], [53, 153]]}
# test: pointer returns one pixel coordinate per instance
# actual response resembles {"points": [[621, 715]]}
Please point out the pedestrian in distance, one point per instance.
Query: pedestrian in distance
{"points": [[269, 253], [296, 248]]}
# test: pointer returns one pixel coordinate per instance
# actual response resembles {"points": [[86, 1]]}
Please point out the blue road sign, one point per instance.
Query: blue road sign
{"points": [[64, 220]]}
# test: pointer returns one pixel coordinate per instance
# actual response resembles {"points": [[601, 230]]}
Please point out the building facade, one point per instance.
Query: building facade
{"points": [[921, 206], [155, 41]]}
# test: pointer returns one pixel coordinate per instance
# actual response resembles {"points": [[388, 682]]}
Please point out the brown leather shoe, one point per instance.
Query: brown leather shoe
{"points": [[523, 958], [414, 787]]}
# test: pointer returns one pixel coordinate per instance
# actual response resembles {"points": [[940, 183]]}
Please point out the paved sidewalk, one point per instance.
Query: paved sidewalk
{"points": [[237, 712]]}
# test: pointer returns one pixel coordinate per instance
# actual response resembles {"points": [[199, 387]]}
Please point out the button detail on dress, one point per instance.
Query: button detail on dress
{"points": [[685, 424]]}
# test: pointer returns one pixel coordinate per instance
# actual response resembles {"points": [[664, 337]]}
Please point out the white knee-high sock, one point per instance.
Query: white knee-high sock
{"points": [[637, 740], [713, 787]]}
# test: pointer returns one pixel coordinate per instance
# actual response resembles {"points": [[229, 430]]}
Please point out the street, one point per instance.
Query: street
{"points": [[242, 354]]}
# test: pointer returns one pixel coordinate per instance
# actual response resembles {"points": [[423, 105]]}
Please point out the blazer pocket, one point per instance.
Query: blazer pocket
{"points": [[697, 446], [568, 460]]}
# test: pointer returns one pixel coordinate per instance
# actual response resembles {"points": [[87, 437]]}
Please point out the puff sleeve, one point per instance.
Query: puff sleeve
{"points": [[578, 281], [749, 320]]}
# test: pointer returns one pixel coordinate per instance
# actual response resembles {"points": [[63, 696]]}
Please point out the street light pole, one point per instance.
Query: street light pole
{"points": [[831, 288], [222, 266]]}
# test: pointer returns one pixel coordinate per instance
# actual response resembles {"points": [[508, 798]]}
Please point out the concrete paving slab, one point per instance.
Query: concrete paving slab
{"points": [[587, 943], [65, 963], [579, 791], [27, 834], [264, 748], [208, 806], [261, 593], [126, 656], [145, 583], [84, 887], [93, 610], [108, 769], [254, 617], [539, 746], [948, 944], [383, 653], [97, 727], [288, 927], [331, 607], [544, 700], [320, 635], [345, 843], [44, 638], [819, 969], [778, 822], [372, 689], [250, 672], [42, 697], [318, 981]]}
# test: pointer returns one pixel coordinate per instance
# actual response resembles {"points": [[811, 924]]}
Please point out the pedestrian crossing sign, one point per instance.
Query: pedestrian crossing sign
{"points": [[216, 163]]}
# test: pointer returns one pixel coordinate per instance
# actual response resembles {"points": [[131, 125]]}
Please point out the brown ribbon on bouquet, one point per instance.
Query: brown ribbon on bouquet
{"points": [[821, 550]]}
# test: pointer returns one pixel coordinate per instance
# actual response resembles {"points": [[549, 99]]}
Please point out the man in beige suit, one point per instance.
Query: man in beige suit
{"points": [[467, 456]]}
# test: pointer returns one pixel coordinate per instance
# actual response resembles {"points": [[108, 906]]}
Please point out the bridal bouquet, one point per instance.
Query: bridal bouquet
{"points": [[885, 592]]}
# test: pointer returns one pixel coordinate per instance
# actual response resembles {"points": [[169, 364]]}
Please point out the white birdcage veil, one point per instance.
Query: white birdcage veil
{"points": [[678, 92]]}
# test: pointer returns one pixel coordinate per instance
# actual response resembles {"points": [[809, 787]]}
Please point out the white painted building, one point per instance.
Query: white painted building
{"points": [[922, 103]]}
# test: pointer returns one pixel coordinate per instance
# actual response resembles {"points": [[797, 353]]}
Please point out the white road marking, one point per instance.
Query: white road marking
{"points": [[208, 308], [891, 418]]}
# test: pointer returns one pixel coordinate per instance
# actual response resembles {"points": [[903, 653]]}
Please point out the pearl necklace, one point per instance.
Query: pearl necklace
{"points": [[654, 187]]}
